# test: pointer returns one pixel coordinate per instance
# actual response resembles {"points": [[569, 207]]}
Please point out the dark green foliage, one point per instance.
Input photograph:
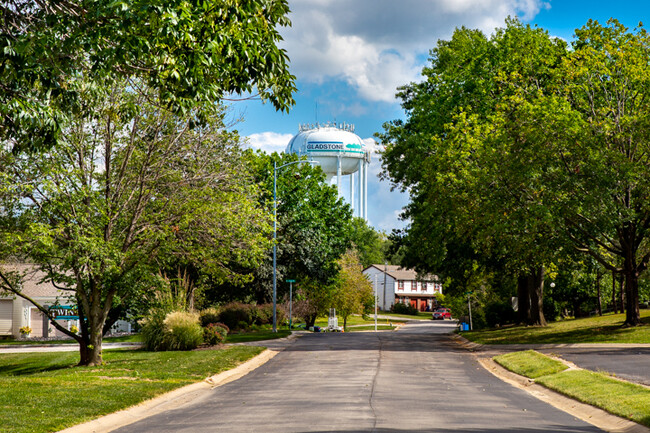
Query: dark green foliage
{"points": [[551, 309], [192, 53], [400, 308], [210, 315], [236, 315], [153, 331], [499, 313]]}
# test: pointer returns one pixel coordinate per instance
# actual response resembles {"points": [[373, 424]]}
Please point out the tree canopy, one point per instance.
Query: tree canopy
{"points": [[521, 149], [120, 197], [192, 53]]}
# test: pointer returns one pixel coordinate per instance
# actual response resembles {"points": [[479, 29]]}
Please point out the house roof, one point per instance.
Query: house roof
{"points": [[33, 284], [400, 273]]}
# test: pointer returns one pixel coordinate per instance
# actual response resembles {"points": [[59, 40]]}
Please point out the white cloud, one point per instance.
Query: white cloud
{"points": [[377, 45], [269, 141]]}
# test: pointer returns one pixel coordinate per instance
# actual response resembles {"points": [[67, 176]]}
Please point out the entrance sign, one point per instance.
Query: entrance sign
{"points": [[67, 312]]}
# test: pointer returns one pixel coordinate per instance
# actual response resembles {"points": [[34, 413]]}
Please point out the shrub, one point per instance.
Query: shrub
{"points": [[236, 315], [551, 309], [215, 333], [173, 331], [209, 315], [400, 308], [499, 313], [182, 331], [264, 314], [153, 330]]}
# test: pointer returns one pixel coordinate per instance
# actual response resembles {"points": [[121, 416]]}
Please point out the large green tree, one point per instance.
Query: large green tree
{"points": [[192, 52], [129, 188], [472, 194], [596, 138], [313, 229], [530, 148]]}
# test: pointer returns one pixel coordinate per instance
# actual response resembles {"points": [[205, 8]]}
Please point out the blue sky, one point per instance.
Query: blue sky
{"points": [[349, 57]]}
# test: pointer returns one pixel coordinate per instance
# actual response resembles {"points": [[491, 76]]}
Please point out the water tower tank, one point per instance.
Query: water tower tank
{"points": [[340, 152]]}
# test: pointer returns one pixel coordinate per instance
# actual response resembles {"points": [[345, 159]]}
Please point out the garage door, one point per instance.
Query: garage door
{"points": [[6, 316]]}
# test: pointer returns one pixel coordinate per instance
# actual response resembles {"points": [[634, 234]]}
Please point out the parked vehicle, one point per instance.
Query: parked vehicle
{"points": [[441, 314]]}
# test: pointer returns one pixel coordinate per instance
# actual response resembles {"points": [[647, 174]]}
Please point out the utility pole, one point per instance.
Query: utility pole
{"points": [[383, 304]]}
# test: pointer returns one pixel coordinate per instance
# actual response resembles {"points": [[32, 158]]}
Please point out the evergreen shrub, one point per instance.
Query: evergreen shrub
{"points": [[400, 308]]}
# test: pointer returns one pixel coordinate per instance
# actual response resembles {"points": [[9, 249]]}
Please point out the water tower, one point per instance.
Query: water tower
{"points": [[340, 152]]}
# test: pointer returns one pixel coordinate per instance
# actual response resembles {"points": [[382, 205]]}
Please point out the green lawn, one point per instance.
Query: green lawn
{"points": [[421, 315], [627, 400], [45, 392], [257, 336], [605, 329], [530, 364]]}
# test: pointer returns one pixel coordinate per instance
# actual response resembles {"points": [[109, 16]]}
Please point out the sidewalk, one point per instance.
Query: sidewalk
{"points": [[67, 347]]}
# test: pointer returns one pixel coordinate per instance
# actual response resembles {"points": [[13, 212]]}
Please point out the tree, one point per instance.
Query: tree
{"points": [[472, 193], [599, 155], [372, 246], [353, 293], [192, 53], [313, 228], [129, 188], [313, 299]]}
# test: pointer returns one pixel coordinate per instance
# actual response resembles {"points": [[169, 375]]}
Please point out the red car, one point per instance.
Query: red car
{"points": [[442, 313]]}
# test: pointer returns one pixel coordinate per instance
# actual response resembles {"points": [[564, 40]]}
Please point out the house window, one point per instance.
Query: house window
{"points": [[424, 286], [414, 286], [400, 285]]}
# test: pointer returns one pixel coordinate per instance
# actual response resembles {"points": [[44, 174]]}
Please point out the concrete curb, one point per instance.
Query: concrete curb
{"points": [[171, 400], [585, 412]]}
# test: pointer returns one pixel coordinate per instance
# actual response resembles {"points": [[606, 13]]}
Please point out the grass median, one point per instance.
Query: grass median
{"points": [[45, 392], [598, 329], [624, 399]]}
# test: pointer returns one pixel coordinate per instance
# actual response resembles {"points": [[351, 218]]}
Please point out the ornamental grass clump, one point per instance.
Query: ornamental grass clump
{"points": [[182, 331], [173, 331]]}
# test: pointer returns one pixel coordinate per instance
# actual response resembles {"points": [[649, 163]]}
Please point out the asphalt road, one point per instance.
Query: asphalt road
{"points": [[628, 363], [414, 380]]}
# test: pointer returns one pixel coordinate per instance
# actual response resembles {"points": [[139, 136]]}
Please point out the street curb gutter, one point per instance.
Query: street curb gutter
{"points": [[171, 400], [592, 415]]}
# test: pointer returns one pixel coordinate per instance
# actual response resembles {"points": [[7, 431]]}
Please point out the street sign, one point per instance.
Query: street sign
{"points": [[291, 281]]}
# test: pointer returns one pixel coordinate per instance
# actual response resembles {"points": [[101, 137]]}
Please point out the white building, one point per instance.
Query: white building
{"points": [[16, 312], [394, 284]]}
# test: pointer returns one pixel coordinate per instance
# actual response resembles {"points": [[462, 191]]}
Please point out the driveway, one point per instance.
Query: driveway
{"points": [[415, 380]]}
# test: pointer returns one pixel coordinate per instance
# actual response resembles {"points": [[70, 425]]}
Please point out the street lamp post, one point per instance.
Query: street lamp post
{"points": [[469, 306], [275, 233]]}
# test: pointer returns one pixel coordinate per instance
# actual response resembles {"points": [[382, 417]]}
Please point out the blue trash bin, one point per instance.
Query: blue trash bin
{"points": [[464, 327]]}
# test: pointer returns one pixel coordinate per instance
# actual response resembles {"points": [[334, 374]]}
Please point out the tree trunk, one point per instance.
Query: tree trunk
{"points": [[614, 306], [310, 320], [536, 293], [621, 293], [632, 313], [523, 300], [600, 301]]}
